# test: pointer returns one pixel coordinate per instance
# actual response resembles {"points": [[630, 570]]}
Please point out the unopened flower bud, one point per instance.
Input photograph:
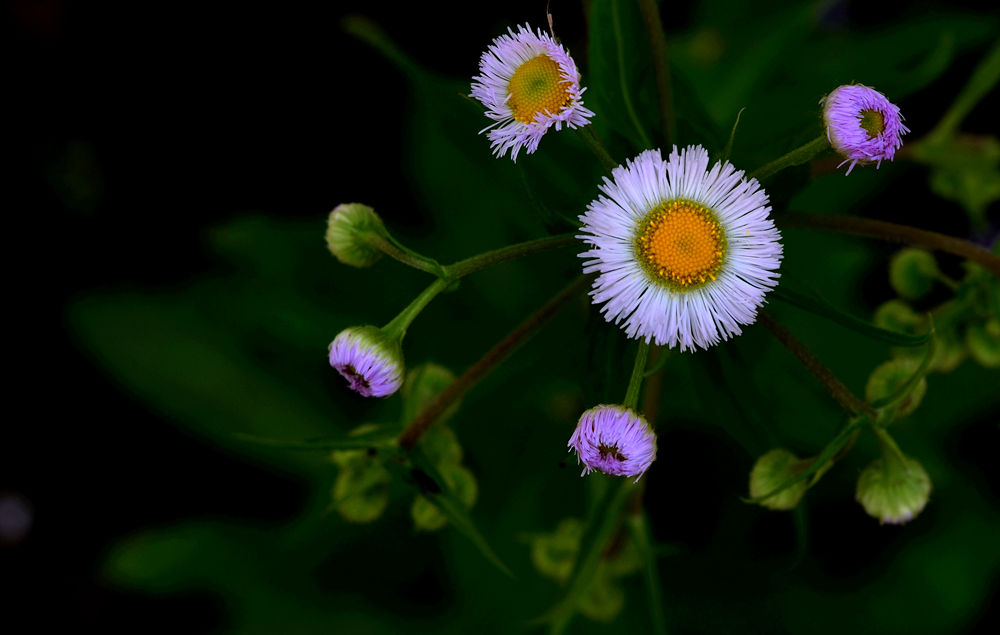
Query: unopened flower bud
{"points": [[983, 341], [615, 440], [773, 470], [896, 315], [426, 515], [893, 489], [862, 125], [370, 361], [888, 378], [912, 272], [347, 232]]}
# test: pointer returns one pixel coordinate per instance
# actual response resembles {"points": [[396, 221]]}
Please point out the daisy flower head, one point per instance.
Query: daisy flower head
{"points": [[528, 83], [370, 361], [685, 254], [862, 125], [615, 440]]}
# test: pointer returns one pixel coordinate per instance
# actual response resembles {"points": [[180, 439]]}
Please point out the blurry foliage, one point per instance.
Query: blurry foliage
{"points": [[242, 351]]}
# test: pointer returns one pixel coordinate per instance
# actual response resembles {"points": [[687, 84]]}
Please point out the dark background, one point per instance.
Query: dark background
{"points": [[135, 128]]}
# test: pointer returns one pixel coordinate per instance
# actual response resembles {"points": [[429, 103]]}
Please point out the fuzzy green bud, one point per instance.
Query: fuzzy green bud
{"points": [[361, 491], [896, 315], [888, 378], [983, 341], [893, 489], [912, 272], [423, 384], [348, 231], [773, 470], [555, 554]]}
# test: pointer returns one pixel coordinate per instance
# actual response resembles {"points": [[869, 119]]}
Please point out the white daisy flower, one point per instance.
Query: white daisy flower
{"points": [[685, 253], [528, 84]]}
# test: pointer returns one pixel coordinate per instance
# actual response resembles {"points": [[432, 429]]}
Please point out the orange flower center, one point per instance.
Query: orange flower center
{"points": [[682, 244], [537, 87]]}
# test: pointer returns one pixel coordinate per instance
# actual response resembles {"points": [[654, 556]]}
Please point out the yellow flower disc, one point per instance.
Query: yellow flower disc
{"points": [[681, 244], [537, 87]]}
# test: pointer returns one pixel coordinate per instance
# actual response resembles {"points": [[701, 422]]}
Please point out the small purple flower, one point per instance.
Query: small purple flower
{"points": [[615, 440], [862, 125], [528, 83], [371, 362]]}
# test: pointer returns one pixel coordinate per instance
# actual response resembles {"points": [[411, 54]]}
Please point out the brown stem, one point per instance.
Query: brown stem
{"points": [[847, 400], [894, 233], [486, 363]]}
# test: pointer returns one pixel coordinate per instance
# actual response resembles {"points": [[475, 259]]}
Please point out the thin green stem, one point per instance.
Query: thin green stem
{"points": [[639, 525], [488, 259], [661, 65], [843, 396], [638, 372], [798, 156], [394, 249], [895, 233], [592, 141], [503, 349], [397, 327], [621, 76]]}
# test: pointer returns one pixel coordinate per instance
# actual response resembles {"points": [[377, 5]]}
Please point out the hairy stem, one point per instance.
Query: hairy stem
{"points": [[895, 233], [394, 249], [592, 141], [798, 156], [847, 400], [638, 372], [429, 415], [661, 65], [488, 259]]}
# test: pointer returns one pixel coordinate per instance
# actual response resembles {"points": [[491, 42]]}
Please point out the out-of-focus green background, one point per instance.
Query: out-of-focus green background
{"points": [[178, 164]]}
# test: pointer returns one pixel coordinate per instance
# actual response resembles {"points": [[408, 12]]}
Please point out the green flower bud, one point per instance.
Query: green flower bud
{"points": [[347, 232], [773, 470], [896, 315], [983, 341], [949, 351], [426, 516], [554, 554], [361, 491], [890, 377], [602, 601], [893, 489], [912, 272], [441, 446], [423, 384]]}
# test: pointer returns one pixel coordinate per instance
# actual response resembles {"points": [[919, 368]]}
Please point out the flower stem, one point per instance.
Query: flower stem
{"points": [[394, 249], [895, 233], [592, 141], [429, 415], [983, 79], [638, 372], [488, 259], [798, 156], [847, 400], [398, 325], [661, 65], [621, 76]]}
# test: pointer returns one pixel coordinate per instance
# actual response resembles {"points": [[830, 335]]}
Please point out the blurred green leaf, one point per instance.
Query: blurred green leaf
{"points": [[812, 302]]}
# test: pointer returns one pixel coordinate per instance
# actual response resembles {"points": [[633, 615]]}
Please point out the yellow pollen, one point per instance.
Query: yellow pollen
{"points": [[536, 87], [682, 244]]}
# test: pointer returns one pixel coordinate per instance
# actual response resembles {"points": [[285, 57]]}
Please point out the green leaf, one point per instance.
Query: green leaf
{"points": [[812, 302], [425, 478]]}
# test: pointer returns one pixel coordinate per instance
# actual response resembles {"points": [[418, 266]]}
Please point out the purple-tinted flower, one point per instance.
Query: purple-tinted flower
{"points": [[615, 440], [862, 125], [685, 252], [370, 361], [528, 83]]}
